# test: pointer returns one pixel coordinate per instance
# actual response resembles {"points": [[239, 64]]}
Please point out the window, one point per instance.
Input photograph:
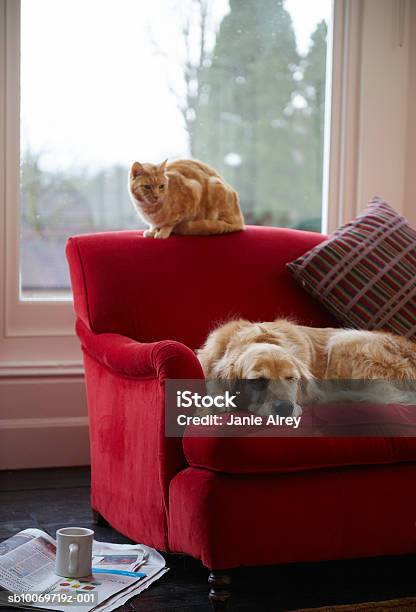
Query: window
{"points": [[240, 85]]}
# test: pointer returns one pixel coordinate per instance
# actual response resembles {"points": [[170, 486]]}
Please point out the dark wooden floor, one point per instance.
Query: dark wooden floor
{"points": [[54, 498]]}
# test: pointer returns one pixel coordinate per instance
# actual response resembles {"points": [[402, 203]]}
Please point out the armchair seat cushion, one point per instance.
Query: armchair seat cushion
{"points": [[260, 451]]}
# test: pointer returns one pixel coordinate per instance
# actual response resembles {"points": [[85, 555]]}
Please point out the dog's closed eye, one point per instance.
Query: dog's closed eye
{"points": [[259, 384]]}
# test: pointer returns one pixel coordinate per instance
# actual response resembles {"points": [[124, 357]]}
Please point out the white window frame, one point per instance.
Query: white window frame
{"points": [[37, 337], [369, 118]]}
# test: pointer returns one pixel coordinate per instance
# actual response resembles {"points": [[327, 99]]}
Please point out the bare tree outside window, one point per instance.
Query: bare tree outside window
{"points": [[236, 84]]}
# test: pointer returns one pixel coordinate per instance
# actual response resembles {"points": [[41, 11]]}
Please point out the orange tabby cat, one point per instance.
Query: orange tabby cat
{"points": [[184, 197]]}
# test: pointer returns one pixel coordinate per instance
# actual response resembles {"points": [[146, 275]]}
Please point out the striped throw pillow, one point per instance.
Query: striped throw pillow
{"points": [[365, 272]]}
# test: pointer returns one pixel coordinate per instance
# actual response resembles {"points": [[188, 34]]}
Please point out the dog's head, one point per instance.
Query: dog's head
{"points": [[271, 379]]}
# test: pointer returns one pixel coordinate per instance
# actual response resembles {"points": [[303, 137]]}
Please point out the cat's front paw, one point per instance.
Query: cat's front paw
{"points": [[150, 233], [163, 233]]}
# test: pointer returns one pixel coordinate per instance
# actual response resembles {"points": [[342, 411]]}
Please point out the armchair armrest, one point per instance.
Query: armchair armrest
{"points": [[141, 361], [132, 461]]}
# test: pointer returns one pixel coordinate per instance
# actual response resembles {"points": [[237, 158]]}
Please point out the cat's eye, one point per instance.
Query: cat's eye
{"points": [[161, 186], [147, 187], [290, 378]]}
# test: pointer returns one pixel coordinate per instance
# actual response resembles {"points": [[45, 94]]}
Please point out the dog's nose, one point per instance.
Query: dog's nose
{"points": [[282, 408]]}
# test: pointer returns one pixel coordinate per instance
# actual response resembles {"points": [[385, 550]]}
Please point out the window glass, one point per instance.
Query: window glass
{"points": [[237, 84]]}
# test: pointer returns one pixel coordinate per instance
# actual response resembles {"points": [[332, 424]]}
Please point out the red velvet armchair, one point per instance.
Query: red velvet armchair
{"points": [[142, 307]]}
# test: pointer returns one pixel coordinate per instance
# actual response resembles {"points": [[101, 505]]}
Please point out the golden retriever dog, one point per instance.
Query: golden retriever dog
{"points": [[284, 363]]}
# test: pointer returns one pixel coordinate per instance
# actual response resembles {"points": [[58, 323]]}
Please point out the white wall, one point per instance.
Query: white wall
{"points": [[410, 171], [43, 422], [383, 131]]}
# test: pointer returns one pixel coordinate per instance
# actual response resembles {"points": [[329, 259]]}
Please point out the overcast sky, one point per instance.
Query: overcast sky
{"points": [[94, 90]]}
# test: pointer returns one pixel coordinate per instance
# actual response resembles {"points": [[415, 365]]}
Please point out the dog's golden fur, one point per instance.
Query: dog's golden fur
{"points": [[293, 357]]}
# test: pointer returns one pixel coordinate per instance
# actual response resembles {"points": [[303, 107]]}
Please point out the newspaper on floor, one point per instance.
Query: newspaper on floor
{"points": [[28, 579]]}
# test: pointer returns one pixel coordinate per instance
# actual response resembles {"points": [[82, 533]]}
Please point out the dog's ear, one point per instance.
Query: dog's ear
{"points": [[308, 392], [227, 369], [307, 388], [216, 345]]}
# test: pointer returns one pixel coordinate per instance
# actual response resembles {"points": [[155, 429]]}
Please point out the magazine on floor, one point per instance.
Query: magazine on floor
{"points": [[28, 579]]}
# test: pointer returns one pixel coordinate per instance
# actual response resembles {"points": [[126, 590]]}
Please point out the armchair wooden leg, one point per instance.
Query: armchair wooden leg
{"points": [[220, 591], [97, 519]]}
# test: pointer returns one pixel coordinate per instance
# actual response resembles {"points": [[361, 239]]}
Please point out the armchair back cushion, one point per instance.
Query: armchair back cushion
{"points": [[178, 289]]}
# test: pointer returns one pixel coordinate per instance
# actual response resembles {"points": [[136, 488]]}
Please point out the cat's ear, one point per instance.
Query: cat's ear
{"points": [[136, 169], [162, 167]]}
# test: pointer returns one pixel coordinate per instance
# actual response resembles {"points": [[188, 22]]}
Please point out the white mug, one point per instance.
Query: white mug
{"points": [[74, 552]]}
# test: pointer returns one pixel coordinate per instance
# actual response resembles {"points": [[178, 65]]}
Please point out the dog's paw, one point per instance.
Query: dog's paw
{"points": [[297, 411]]}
